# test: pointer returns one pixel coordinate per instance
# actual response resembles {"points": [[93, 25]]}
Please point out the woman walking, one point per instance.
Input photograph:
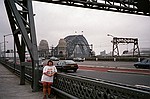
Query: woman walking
{"points": [[47, 78]]}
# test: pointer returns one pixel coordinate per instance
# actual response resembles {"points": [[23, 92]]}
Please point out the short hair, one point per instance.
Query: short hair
{"points": [[50, 61]]}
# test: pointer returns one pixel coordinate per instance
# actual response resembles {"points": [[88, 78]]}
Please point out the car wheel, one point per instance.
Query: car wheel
{"points": [[75, 70], [64, 70], [136, 66], [59, 70]]}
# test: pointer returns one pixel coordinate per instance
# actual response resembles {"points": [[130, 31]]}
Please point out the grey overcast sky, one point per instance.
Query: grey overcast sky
{"points": [[53, 22]]}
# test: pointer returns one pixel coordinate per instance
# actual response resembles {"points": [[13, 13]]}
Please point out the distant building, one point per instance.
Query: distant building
{"points": [[145, 51], [43, 49], [103, 53]]}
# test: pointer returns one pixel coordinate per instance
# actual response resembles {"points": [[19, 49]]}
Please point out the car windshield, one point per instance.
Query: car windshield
{"points": [[145, 60], [53, 58], [70, 62]]}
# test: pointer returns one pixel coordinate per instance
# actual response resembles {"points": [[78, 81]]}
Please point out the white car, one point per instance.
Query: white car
{"points": [[78, 59], [54, 58], [64, 65]]}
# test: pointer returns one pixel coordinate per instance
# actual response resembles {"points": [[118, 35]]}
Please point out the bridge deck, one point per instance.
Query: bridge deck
{"points": [[10, 88]]}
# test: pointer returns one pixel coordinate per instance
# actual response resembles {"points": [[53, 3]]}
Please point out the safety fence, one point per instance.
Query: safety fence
{"points": [[85, 88]]}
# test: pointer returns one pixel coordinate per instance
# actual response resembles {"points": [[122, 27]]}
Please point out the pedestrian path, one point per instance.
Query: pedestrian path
{"points": [[11, 89]]}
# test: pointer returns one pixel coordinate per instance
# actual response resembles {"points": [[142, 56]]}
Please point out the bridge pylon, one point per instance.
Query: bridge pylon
{"points": [[20, 14]]}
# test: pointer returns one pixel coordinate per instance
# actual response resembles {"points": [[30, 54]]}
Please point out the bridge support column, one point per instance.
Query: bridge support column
{"points": [[20, 14]]}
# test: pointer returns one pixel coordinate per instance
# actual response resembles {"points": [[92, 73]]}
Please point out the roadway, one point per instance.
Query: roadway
{"points": [[108, 64], [106, 70], [122, 78]]}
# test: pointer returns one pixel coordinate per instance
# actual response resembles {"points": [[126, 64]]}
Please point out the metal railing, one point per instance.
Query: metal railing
{"points": [[85, 88]]}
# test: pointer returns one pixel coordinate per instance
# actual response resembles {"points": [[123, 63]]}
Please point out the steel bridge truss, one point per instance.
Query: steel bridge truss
{"points": [[77, 42], [116, 41], [20, 14], [139, 7]]}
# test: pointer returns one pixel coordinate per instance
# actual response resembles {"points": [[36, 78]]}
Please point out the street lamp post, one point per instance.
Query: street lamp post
{"points": [[4, 48], [14, 56], [5, 45], [113, 43], [1, 48], [14, 50]]}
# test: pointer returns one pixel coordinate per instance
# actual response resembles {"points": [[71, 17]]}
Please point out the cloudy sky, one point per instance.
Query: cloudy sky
{"points": [[58, 21]]}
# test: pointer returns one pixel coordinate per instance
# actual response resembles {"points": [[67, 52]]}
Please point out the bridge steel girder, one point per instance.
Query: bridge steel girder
{"points": [[116, 41], [138, 7], [82, 43], [20, 14]]}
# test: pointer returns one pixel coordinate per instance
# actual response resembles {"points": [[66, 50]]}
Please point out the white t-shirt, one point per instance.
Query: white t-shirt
{"points": [[49, 69]]}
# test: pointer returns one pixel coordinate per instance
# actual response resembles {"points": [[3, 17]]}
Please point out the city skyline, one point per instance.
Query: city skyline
{"points": [[53, 22]]}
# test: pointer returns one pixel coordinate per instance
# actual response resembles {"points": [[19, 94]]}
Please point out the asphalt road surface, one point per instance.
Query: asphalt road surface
{"points": [[108, 64], [126, 78]]}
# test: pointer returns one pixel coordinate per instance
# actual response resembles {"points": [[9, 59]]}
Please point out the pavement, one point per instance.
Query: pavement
{"points": [[11, 89]]}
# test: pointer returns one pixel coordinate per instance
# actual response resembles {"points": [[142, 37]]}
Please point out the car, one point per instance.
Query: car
{"points": [[78, 59], [54, 58], [28, 59], [145, 64], [64, 65], [42, 58], [41, 62]]}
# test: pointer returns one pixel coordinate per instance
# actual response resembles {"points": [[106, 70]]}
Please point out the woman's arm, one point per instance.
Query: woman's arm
{"points": [[47, 74]]}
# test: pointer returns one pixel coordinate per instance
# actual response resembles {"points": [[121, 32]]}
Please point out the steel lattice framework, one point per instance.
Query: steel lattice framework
{"points": [[116, 41], [139, 7], [77, 40], [20, 14], [21, 20]]}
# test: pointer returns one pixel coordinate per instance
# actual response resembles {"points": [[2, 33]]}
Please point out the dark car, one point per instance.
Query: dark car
{"points": [[143, 64], [64, 65]]}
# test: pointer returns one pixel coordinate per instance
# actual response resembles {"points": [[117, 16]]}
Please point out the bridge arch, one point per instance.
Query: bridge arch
{"points": [[77, 46]]}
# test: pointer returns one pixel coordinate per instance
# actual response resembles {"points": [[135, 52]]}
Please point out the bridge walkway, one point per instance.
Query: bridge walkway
{"points": [[11, 89]]}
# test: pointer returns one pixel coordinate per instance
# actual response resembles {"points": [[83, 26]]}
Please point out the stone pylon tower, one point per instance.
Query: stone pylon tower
{"points": [[61, 48], [43, 49]]}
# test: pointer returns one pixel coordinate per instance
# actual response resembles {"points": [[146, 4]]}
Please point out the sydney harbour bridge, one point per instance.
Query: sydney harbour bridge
{"points": [[70, 47], [77, 46], [20, 15]]}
